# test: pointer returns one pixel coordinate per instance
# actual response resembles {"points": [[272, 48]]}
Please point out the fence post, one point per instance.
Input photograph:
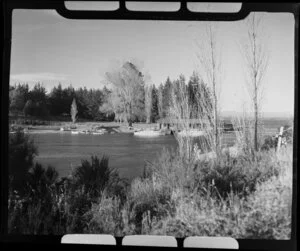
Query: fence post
{"points": [[279, 138]]}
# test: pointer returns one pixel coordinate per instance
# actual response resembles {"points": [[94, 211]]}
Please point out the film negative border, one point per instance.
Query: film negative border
{"points": [[183, 14]]}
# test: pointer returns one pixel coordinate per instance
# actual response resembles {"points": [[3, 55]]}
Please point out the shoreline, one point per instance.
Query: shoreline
{"points": [[89, 127]]}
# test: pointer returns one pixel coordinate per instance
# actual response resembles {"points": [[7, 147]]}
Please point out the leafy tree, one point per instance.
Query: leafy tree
{"points": [[148, 103], [60, 100], [197, 89], [17, 97], [82, 102], [166, 97], [154, 110], [29, 108], [95, 99], [38, 93], [105, 109], [39, 99], [56, 100], [160, 101], [67, 98], [127, 97], [11, 93]]}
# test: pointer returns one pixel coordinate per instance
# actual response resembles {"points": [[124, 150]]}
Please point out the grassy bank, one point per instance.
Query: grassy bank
{"points": [[243, 197]]}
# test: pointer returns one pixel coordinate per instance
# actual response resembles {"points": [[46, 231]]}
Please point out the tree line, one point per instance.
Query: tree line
{"points": [[126, 98], [133, 99], [38, 103]]}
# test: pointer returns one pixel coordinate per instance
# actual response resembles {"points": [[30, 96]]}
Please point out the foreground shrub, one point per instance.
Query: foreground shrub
{"points": [[173, 171], [35, 211], [239, 174], [95, 176], [288, 133], [242, 197], [198, 215], [49, 206], [266, 214], [269, 143], [269, 208], [88, 183], [39, 179], [270, 216], [109, 216], [104, 216], [149, 197], [21, 152]]}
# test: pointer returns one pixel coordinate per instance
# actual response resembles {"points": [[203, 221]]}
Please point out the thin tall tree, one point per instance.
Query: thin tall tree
{"points": [[148, 102], [74, 110], [160, 101], [210, 67], [185, 111], [256, 57]]}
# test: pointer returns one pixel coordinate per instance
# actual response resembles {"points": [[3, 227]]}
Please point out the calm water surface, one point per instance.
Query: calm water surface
{"points": [[126, 152]]}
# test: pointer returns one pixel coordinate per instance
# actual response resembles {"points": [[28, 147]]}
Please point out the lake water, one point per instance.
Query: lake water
{"points": [[127, 153]]}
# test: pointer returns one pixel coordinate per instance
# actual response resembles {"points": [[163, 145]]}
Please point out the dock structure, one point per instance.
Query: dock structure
{"points": [[179, 123]]}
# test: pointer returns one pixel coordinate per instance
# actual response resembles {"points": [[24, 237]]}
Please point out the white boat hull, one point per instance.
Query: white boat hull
{"points": [[191, 133], [97, 133], [148, 133]]}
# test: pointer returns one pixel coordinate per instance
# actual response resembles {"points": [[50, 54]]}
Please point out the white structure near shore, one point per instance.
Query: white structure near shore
{"points": [[191, 133], [149, 133]]}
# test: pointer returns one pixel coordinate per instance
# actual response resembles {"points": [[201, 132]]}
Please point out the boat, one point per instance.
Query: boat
{"points": [[191, 133], [98, 133], [74, 132], [149, 133], [84, 132]]}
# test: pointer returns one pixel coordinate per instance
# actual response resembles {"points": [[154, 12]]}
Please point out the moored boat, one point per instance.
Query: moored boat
{"points": [[191, 133], [98, 133], [149, 133]]}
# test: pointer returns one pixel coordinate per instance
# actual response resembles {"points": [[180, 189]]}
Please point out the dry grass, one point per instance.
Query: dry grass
{"points": [[265, 212]]}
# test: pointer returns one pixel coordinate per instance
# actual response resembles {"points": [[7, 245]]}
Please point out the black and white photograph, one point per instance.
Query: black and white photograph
{"points": [[151, 127]]}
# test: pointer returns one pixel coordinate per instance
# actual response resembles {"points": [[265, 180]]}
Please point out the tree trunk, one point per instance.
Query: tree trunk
{"points": [[130, 115], [255, 126], [216, 127]]}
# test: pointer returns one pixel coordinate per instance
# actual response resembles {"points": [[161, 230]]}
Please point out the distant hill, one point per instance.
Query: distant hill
{"points": [[275, 115], [278, 114]]}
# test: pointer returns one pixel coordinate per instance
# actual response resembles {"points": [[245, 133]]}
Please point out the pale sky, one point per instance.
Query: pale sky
{"points": [[51, 49]]}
